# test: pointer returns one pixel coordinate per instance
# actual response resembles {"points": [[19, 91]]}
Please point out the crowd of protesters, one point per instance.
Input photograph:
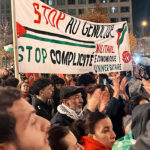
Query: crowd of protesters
{"points": [[75, 112]]}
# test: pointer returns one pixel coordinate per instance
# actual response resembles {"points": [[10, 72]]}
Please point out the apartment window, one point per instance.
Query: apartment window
{"points": [[70, 2], [81, 1], [5, 61], [113, 1], [81, 11], [92, 1], [72, 12], [113, 9], [50, 2], [103, 1], [63, 10], [60, 2], [124, 9], [7, 8], [114, 20], [2, 9], [91, 10], [124, 0], [125, 19]]}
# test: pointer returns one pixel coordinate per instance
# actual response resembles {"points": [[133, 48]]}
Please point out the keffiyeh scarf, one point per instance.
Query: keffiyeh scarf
{"points": [[63, 109]]}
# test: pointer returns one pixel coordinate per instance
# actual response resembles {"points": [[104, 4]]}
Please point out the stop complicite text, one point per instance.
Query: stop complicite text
{"points": [[41, 55]]}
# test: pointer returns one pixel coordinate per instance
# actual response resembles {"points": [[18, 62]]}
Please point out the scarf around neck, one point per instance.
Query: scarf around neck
{"points": [[63, 109]]}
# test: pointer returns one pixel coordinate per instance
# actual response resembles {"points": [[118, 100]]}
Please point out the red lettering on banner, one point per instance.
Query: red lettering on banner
{"points": [[104, 48], [60, 17], [54, 11], [36, 6], [44, 13], [53, 17]]}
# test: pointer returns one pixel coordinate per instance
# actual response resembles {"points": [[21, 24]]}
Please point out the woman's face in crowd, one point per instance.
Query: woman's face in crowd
{"points": [[25, 88], [104, 132]]}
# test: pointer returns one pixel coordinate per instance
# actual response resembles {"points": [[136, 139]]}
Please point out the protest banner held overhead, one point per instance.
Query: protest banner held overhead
{"points": [[50, 41]]}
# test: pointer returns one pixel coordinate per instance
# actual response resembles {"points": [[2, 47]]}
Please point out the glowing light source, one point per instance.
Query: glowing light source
{"points": [[144, 23]]}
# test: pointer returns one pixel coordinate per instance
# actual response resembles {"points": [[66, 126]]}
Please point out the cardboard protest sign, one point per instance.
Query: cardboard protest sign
{"points": [[50, 41]]}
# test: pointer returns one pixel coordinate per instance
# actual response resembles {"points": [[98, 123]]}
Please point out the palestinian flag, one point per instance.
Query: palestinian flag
{"points": [[121, 32], [50, 37], [8, 48]]}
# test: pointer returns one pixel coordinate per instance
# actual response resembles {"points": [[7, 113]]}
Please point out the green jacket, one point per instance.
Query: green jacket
{"points": [[124, 143]]}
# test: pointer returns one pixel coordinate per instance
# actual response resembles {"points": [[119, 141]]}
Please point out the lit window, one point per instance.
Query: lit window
{"points": [[113, 9], [103, 1], [50, 2]]}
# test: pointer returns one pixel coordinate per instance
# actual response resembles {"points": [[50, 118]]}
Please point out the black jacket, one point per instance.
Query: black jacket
{"points": [[63, 120], [42, 109], [115, 110]]}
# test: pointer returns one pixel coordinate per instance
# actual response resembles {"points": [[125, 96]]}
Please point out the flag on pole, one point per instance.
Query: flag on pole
{"points": [[8, 48], [32, 77]]}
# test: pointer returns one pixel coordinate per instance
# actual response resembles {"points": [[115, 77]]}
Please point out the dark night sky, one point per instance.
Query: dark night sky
{"points": [[141, 11]]}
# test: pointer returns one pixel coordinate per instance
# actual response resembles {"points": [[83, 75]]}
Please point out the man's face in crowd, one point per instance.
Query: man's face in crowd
{"points": [[71, 142], [75, 102], [48, 91], [31, 129]]}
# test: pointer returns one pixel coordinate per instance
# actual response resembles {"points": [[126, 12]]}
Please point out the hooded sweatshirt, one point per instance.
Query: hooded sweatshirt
{"points": [[140, 117], [90, 144], [143, 142]]}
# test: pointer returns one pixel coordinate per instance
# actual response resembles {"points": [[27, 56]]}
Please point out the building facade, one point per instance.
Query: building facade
{"points": [[6, 58], [117, 10]]}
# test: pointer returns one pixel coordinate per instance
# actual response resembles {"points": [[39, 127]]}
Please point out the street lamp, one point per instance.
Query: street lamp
{"points": [[144, 23]]}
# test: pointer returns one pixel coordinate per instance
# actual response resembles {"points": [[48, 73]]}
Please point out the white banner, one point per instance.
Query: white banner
{"points": [[50, 41]]}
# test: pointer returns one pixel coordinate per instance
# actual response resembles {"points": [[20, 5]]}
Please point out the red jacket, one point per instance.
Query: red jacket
{"points": [[91, 144]]}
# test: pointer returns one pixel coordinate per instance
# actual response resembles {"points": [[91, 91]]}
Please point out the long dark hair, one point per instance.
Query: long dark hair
{"points": [[133, 103]]}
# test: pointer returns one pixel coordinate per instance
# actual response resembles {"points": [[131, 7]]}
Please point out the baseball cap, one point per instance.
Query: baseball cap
{"points": [[68, 91]]}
